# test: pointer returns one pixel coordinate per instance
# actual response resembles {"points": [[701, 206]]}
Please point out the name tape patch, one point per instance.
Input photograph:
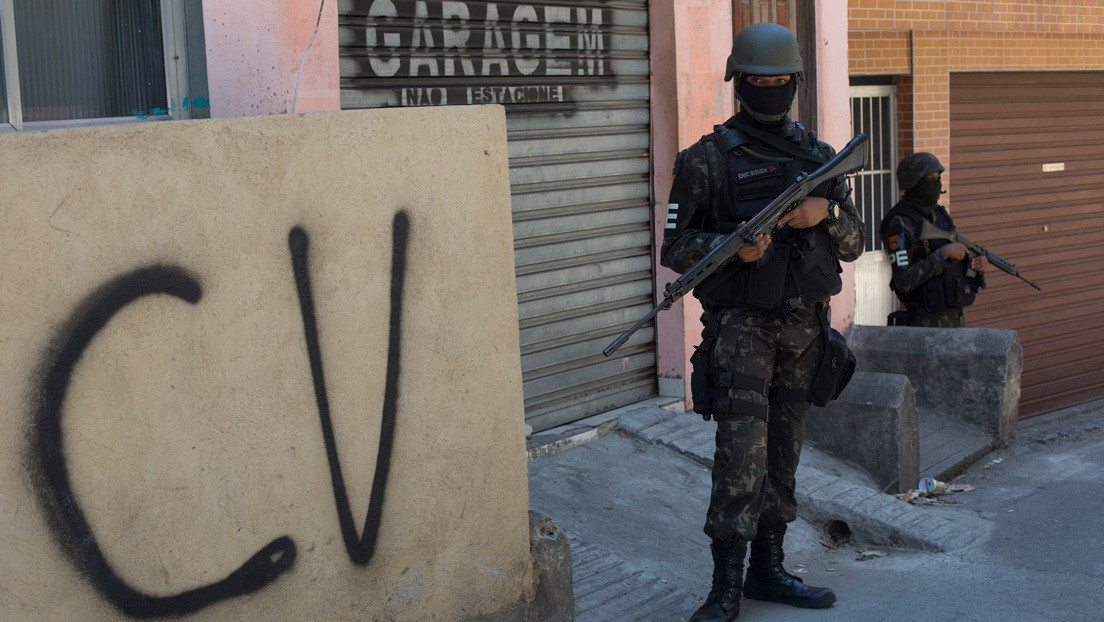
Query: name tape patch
{"points": [[757, 172]]}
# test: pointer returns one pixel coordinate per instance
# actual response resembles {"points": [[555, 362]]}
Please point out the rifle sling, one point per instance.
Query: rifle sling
{"points": [[780, 143]]}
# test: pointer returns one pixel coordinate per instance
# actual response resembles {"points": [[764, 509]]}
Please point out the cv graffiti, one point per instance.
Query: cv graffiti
{"points": [[47, 463]]}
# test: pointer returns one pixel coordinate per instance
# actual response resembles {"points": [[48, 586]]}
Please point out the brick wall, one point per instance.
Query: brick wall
{"points": [[921, 42]]}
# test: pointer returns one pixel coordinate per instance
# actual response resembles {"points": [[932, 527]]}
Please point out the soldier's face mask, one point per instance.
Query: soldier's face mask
{"points": [[767, 101], [925, 194]]}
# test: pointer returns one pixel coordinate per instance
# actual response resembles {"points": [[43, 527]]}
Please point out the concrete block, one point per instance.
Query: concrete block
{"points": [[872, 425], [553, 598], [973, 373]]}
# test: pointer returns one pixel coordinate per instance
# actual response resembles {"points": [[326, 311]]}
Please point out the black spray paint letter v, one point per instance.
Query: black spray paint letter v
{"points": [[360, 548], [47, 466]]}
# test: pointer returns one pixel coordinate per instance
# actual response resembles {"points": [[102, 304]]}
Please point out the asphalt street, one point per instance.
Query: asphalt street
{"points": [[633, 511]]}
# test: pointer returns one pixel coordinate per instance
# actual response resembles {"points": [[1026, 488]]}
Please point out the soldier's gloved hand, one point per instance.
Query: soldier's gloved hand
{"points": [[808, 213], [953, 252]]}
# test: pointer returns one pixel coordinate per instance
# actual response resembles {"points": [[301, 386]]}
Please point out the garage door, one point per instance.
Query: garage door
{"points": [[1027, 180], [573, 77]]}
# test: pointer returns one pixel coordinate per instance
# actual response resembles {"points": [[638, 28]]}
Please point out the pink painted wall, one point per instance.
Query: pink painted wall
{"points": [[834, 119], [253, 52], [690, 40]]}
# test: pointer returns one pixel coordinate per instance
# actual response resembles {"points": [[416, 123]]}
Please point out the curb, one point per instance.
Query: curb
{"points": [[879, 518]]}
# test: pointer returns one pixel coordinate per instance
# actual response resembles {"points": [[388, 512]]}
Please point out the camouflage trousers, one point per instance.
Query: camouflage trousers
{"points": [[756, 458], [947, 318]]}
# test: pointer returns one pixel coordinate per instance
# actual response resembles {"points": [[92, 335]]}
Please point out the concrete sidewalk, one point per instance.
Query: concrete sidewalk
{"points": [[630, 488]]}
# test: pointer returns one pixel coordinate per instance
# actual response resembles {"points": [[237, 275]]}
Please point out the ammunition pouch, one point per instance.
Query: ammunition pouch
{"points": [[947, 291], [711, 387]]}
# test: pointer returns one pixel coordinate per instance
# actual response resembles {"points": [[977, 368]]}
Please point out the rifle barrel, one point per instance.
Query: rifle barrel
{"points": [[617, 343]]}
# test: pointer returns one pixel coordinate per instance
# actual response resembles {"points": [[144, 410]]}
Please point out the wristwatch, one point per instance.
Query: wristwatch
{"points": [[833, 212]]}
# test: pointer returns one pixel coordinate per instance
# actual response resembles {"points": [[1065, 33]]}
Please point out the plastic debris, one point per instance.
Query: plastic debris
{"points": [[865, 555], [930, 484], [932, 493]]}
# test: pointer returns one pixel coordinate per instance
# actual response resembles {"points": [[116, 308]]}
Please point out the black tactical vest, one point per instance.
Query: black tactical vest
{"points": [[950, 289], [800, 266]]}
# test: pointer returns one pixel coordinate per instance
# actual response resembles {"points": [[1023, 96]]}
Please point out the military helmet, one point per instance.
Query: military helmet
{"points": [[764, 50], [914, 167]]}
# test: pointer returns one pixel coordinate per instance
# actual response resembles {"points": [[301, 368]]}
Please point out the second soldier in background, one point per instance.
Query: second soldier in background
{"points": [[933, 278]]}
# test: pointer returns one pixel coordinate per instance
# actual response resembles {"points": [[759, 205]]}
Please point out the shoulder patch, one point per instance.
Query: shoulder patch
{"points": [[894, 242]]}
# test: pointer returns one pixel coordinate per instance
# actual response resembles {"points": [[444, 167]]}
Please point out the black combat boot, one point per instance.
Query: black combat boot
{"points": [[723, 603], [768, 580]]}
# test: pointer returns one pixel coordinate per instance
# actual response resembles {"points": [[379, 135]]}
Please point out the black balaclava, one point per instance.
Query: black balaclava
{"points": [[925, 195], [767, 104]]}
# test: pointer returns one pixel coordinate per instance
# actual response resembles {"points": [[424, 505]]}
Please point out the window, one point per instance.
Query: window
{"points": [[82, 62]]}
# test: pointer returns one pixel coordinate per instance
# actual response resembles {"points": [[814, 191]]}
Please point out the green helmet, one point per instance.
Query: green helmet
{"points": [[764, 50], [914, 167]]}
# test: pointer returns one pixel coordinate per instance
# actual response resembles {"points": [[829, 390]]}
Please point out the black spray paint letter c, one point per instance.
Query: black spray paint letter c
{"points": [[47, 465]]}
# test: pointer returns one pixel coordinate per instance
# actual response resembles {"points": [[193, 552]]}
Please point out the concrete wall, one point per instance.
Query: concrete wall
{"points": [[691, 40], [254, 49], [245, 370], [834, 119]]}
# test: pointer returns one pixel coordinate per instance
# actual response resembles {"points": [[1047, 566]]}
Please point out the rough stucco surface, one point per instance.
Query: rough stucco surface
{"points": [[254, 51], [191, 433]]}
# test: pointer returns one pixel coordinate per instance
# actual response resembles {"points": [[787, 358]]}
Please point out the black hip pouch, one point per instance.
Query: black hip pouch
{"points": [[837, 364]]}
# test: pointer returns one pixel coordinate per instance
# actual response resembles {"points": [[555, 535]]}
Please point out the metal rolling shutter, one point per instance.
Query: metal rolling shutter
{"points": [[573, 77], [1027, 182]]}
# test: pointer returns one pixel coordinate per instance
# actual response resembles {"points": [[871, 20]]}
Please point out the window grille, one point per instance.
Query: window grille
{"points": [[873, 112]]}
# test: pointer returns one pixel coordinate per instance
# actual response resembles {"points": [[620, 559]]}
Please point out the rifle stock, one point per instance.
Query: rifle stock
{"points": [[930, 232], [853, 157]]}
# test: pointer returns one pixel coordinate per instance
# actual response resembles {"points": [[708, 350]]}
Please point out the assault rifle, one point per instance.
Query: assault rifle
{"points": [[931, 232], [850, 159]]}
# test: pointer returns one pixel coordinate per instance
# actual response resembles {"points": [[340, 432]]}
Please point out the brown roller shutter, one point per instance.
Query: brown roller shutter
{"points": [[1027, 179]]}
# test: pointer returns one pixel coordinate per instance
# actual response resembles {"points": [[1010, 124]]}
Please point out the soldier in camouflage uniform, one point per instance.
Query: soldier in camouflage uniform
{"points": [[930, 277], [765, 313]]}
